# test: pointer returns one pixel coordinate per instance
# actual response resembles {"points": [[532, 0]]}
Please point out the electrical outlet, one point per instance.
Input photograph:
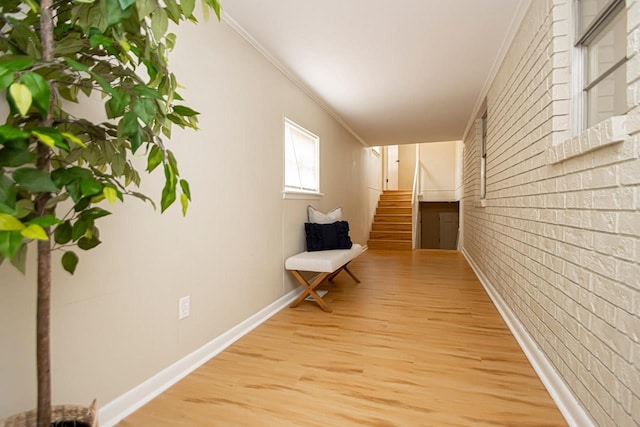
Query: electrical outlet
{"points": [[184, 307]]}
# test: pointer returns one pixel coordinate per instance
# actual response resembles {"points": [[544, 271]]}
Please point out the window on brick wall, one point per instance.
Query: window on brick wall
{"points": [[301, 159], [602, 39], [483, 158]]}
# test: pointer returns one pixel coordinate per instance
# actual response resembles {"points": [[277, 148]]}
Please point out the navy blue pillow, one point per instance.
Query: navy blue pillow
{"points": [[322, 237]]}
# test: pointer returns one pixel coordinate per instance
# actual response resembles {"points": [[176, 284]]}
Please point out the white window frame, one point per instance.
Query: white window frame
{"points": [[293, 191], [483, 156], [582, 62]]}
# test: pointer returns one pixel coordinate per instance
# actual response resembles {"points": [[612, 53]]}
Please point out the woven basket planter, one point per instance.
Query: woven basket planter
{"points": [[59, 414]]}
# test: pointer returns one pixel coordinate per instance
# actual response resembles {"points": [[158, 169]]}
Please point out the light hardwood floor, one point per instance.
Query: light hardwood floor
{"points": [[417, 343]]}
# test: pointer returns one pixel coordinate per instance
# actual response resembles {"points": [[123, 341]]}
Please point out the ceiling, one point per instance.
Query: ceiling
{"points": [[393, 72]]}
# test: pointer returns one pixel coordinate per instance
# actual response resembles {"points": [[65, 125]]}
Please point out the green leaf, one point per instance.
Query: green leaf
{"points": [[62, 233], [19, 260], [155, 158], [8, 192], [6, 78], [35, 7], [34, 180], [103, 83], [115, 13], [117, 104], [87, 243], [69, 261], [173, 11], [146, 7], [15, 62], [39, 88], [185, 188], [10, 223], [187, 7], [79, 228], [159, 23], [24, 207], [90, 187], [184, 111], [136, 140], [147, 92], [13, 157], [10, 133], [70, 137], [45, 139], [21, 97], [126, 3], [129, 124], [94, 213], [118, 163], [53, 202], [184, 201], [111, 194], [100, 39], [170, 40], [75, 65], [10, 242], [63, 176], [173, 162], [69, 45], [49, 135], [45, 221], [145, 109], [169, 190], [34, 231]]}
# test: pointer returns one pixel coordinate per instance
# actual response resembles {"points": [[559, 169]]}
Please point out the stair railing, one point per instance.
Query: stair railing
{"points": [[415, 203]]}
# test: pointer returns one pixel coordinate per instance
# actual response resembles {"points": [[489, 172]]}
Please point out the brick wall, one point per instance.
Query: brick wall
{"points": [[558, 235]]}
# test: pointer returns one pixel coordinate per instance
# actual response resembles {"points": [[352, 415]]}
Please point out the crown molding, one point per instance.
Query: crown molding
{"points": [[228, 19]]}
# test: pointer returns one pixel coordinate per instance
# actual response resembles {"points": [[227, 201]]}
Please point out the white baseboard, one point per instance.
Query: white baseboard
{"points": [[569, 406], [119, 408]]}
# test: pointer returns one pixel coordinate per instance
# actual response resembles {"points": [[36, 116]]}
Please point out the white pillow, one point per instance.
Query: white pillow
{"points": [[317, 217]]}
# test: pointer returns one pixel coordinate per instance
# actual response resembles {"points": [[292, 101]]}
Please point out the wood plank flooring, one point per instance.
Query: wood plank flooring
{"points": [[417, 343]]}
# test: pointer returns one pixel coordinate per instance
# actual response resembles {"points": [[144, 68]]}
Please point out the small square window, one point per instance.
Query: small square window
{"points": [[301, 159]]}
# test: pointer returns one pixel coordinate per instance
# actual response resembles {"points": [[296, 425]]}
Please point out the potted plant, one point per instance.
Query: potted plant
{"points": [[58, 170]]}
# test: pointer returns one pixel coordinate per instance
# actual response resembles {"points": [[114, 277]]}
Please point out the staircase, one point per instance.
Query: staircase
{"points": [[392, 223]]}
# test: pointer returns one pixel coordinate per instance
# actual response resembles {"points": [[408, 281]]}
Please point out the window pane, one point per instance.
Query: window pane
{"points": [[609, 47], [301, 162], [588, 10], [609, 97]]}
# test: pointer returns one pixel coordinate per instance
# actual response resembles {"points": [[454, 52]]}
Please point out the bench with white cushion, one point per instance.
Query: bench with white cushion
{"points": [[326, 263]]}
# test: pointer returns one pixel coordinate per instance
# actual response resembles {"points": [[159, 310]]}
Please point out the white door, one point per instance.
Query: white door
{"points": [[392, 167]]}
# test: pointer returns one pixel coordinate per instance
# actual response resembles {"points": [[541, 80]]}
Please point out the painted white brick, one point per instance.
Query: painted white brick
{"points": [[615, 199], [629, 273], [599, 221], [559, 237], [629, 223], [630, 173], [627, 373], [620, 295], [629, 324], [616, 245], [615, 339], [635, 410]]}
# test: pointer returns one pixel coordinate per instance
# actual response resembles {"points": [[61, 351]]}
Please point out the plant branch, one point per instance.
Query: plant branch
{"points": [[44, 246]]}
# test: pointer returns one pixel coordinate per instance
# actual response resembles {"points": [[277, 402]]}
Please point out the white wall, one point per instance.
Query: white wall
{"points": [[115, 323], [558, 236], [374, 168], [441, 174]]}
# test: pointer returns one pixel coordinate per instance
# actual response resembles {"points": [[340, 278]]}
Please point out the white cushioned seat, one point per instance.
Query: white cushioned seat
{"points": [[322, 261]]}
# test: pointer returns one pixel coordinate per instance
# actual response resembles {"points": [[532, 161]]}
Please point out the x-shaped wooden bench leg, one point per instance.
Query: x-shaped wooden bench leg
{"points": [[309, 290], [345, 268]]}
